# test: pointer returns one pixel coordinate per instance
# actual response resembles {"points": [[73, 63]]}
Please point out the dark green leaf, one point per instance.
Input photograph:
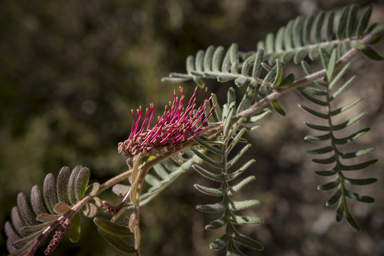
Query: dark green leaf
{"points": [[219, 243], [276, 105], [232, 250], [318, 127], [329, 31], [330, 185], [336, 79], [217, 109], [329, 160], [347, 123], [331, 65], [370, 53], [359, 181], [342, 23], [75, 228], [113, 228], [352, 137], [351, 22], [216, 224], [307, 29], [375, 28], [82, 182], [312, 91], [351, 221], [326, 173], [342, 109], [355, 154], [287, 81], [334, 199], [363, 22], [116, 241], [321, 150], [358, 166], [340, 211], [314, 100], [248, 97], [318, 25], [244, 240], [324, 57], [313, 112]]}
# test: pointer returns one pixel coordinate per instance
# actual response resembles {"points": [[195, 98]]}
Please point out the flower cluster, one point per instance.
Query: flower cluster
{"points": [[177, 125], [61, 230]]}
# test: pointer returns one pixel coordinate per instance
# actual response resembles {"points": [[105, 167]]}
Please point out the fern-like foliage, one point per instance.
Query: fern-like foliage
{"points": [[32, 221], [222, 147], [324, 98]]}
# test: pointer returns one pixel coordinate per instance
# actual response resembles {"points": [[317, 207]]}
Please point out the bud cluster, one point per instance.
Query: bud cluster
{"points": [[59, 233], [177, 125]]}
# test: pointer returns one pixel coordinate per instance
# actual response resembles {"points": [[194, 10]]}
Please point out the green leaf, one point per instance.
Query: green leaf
{"points": [[287, 36], [246, 241], [276, 105], [226, 65], [227, 117], [199, 61], [211, 208], [232, 250], [324, 57], [351, 22], [312, 91], [287, 81], [318, 138], [342, 109], [258, 116], [207, 146], [160, 170], [331, 65], [314, 100], [326, 173], [300, 55], [279, 40], [25, 210], [82, 182], [230, 163], [375, 28], [190, 64], [336, 79], [174, 79], [62, 185], [342, 23], [49, 192], [334, 199], [209, 175], [357, 166], [218, 112], [74, 229], [240, 205], [152, 180], [72, 184], [249, 95], [217, 59], [269, 43], [112, 228], [318, 25], [234, 57], [330, 185], [320, 151], [208, 58], [329, 31], [358, 45], [329, 160], [351, 137], [340, 211], [307, 29], [313, 112], [271, 76], [239, 171], [117, 242], [236, 188], [355, 154], [370, 53], [219, 243], [359, 182], [363, 22], [347, 123], [296, 33], [199, 82], [37, 201], [241, 220], [216, 224], [318, 127], [208, 159], [314, 53], [351, 221], [287, 56], [210, 191]]}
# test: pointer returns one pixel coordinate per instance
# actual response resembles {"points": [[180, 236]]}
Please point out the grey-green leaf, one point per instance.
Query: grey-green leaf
{"points": [[49, 192], [62, 185]]}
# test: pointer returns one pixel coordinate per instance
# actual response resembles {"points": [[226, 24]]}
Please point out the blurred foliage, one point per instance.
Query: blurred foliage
{"points": [[70, 73]]}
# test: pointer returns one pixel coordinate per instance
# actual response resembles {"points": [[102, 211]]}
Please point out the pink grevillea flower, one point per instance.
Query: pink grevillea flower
{"points": [[177, 125]]}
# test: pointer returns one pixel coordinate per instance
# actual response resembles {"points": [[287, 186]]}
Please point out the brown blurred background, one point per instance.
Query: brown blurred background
{"points": [[71, 71]]}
